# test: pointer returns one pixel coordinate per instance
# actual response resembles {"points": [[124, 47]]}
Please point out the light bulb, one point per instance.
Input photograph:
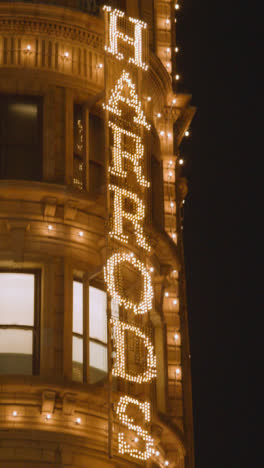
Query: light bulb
{"points": [[166, 463], [50, 227], [99, 65], [66, 54], [48, 416], [166, 294], [176, 49], [177, 7], [151, 269], [172, 204], [176, 336], [28, 47], [178, 371], [162, 133], [169, 135], [81, 233], [159, 115], [14, 413], [170, 163], [181, 162], [174, 235], [175, 301], [174, 101], [187, 133], [149, 98], [136, 439], [170, 174], [177, 77], [157, 453], [78, 421], [167, 21], [168, 64]]}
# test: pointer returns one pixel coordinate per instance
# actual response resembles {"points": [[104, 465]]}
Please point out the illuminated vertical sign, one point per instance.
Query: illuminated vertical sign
{"points": [[128, 280]]}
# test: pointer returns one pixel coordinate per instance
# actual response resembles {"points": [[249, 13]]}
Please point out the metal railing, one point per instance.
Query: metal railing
{"points": [[92, 7]]}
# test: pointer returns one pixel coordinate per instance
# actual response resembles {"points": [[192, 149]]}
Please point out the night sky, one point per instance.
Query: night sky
{"points": [[207, 62]]}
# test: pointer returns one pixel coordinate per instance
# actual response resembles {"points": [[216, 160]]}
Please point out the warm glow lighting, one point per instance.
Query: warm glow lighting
{"points": [[169, 135], [177, 6], [50, 227], [178, 371], [48, 416], [166, 294], [177, 77], [187, 133], [181, 162], [99, 65], [14, 413], [81, 233], [171, 204], [78, 420], [176, 336], [174, 101], [66, 54], [166, 463], [176, 49], [157, 453], [175, 301], [162, 133], [115, 36], [174, 235], [170, 163], [28, 47], [167, 21], [128, 244]]}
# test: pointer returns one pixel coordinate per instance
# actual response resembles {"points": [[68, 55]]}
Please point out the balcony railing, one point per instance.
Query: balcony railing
{"points": [[92, 7]]}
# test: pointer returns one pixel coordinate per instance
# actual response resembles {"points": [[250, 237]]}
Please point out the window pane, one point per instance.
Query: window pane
{"points": [[77, 307], [17, 299], [98, 362], [20, 137], [16, 351], [77, 359], [97, 314]]}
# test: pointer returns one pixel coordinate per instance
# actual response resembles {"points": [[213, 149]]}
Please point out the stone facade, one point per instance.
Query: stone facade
{"points": [[54, 50]]}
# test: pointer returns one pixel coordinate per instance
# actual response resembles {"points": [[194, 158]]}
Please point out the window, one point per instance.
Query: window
{"points": [[19, 322], [96, 154], [20, 137], [97, 334], [78, 155]]}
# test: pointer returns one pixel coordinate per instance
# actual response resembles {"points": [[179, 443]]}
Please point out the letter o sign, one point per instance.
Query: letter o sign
{"points": [[113, 262]]}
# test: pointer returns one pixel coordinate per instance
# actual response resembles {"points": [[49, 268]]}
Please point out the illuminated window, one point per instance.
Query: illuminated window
{"points": [[19, 322], [96, 154], [20, 137], [97, 321], [79, 148]]}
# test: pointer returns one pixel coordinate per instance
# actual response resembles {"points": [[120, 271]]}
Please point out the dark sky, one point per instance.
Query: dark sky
{"points": [[207, 34]]}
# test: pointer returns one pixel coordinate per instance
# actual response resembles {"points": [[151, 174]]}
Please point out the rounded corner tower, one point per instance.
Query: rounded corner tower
{"points": [[94, 346]]}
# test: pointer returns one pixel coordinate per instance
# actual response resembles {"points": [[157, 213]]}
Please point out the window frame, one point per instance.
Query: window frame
{"points": [[37, 313], [86, 328], [39, 100]]}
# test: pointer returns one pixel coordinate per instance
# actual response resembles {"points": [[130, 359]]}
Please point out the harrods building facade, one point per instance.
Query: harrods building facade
{"points": [[59, 396]]}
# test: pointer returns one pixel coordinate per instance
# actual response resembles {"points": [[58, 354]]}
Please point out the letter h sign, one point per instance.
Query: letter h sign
{"points": [[118, 26]]}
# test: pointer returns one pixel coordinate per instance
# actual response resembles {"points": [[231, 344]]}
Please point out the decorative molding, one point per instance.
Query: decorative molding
{"points": [[52, 29]]}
